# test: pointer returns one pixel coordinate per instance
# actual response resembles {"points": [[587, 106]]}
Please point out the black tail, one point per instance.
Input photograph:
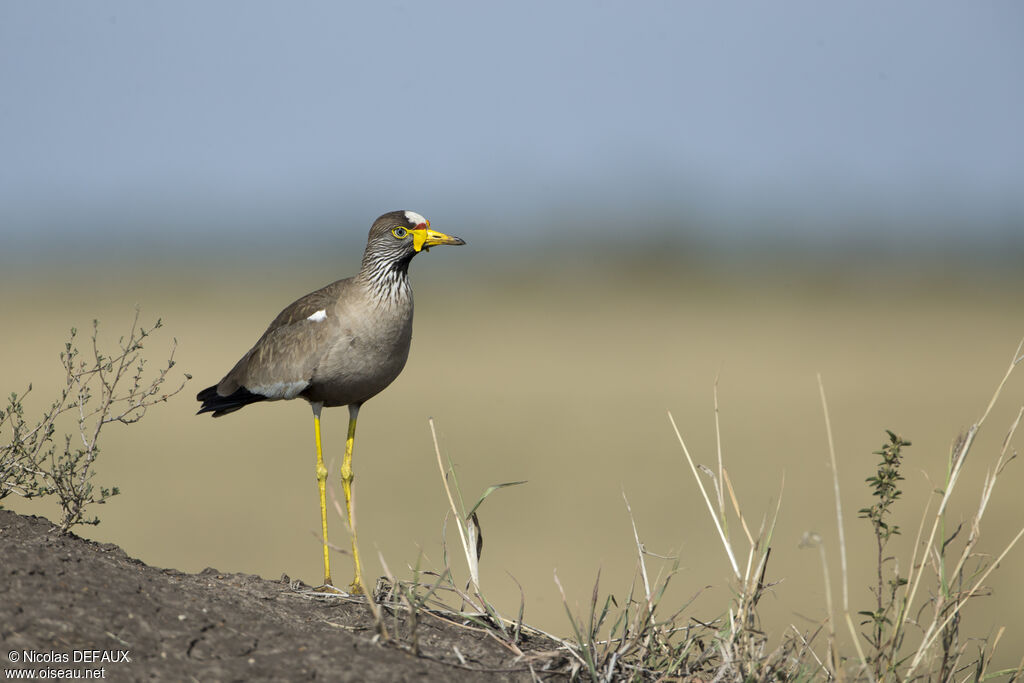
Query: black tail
{"points": [[222, 405]]}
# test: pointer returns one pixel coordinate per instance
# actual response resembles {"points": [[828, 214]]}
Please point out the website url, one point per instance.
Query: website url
{"points": [[47, 674]]}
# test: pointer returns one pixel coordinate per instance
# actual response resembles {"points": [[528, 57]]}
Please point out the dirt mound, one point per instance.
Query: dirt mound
{"points": [[69, 607]]}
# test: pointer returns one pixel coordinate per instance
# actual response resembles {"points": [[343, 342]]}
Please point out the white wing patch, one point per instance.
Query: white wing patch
{"points": [[318, 316], [280, 390], [415, 218]]}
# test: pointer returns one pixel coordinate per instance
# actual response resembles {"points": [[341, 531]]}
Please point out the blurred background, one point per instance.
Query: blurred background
{"points": [[656, 196]]}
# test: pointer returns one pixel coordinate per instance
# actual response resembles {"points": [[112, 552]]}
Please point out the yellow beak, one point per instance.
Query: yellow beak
{"points": [[425, 238]]}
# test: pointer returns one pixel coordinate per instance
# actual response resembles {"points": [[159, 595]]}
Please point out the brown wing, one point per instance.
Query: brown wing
{"points": [[281, 364]]}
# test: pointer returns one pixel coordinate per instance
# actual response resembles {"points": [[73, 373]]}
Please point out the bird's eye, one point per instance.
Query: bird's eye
{"points": [[400, 233]]}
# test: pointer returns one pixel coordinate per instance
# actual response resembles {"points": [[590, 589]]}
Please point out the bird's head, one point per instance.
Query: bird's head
{"points": [[400, 235]]}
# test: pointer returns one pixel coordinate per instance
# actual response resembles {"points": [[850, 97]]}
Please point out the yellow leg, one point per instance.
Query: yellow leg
{"points": [[321, 481], [356, 587]]}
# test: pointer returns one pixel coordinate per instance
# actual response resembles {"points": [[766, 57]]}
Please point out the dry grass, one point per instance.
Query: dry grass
{"points": [[914, 632], [551, 392], [908, 637]]}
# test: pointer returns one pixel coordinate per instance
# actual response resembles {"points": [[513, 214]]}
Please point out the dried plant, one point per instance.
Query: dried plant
{"points": [[99, 389]]}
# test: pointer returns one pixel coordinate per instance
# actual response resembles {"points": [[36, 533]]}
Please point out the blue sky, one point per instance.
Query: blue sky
{"points": [[200, 123]]}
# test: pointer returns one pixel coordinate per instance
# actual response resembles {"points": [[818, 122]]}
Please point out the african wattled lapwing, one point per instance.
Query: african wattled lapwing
{"points": [[338, 346]]}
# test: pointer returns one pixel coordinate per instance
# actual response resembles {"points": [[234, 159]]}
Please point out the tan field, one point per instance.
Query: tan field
{"points": [[562, 380]]}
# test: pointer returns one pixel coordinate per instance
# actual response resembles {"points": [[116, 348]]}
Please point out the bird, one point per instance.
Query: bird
{"points": [[338, 346]]}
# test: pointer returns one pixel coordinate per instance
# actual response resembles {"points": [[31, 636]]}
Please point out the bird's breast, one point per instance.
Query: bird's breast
{"points": [[366, 355]]}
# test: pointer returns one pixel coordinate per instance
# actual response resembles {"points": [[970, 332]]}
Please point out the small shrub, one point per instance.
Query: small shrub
{"points": [[884, 643], [99, 389]]}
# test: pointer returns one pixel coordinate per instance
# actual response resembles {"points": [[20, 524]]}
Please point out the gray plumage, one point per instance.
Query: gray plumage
{"points": [[343, 343]]}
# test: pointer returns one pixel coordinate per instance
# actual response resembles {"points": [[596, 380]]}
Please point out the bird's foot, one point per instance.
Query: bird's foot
{"points": [[354, 588]]}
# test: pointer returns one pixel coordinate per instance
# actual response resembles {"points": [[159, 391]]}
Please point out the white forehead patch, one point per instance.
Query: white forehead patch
{"points": [[414, 218], [318, 316]]}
